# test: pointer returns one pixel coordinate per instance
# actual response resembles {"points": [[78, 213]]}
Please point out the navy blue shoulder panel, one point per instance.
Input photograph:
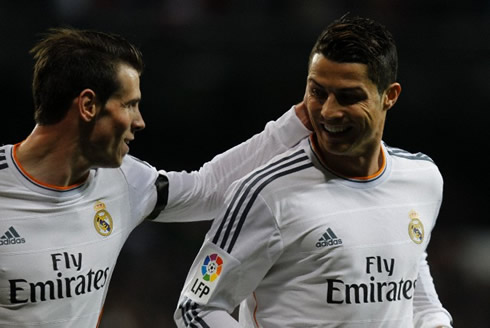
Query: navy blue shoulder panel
{"points": [[3, 159], [405, 154]]}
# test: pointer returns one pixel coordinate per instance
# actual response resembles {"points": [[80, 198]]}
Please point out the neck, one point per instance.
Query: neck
{"points": [[362, 167], [50, 155]]}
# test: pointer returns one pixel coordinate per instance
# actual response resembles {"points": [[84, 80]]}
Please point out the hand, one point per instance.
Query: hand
{"points": [[302, 113]]}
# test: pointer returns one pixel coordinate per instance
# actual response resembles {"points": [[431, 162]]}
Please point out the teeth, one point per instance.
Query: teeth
{"points": [[334, 128]]}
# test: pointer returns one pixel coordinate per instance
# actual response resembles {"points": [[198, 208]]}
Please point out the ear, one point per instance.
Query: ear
{"points": [[87, 105], [391, 95]]}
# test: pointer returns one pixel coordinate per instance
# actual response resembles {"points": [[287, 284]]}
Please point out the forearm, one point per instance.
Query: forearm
{"points": [[190, 314], [428, 310]]}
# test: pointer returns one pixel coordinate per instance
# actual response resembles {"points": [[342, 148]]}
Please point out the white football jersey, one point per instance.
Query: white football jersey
{"points": [[299, 246], [59, 246]]}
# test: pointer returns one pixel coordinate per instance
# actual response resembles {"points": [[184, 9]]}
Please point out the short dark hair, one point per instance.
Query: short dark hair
{"points": [[69, 60], [360, 40]]}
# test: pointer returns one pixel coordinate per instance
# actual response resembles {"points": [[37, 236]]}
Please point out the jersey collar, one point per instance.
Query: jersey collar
{"points": [[370, 180]]}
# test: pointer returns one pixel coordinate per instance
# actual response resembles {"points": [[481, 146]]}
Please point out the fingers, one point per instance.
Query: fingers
{"points": [[302, 113]]}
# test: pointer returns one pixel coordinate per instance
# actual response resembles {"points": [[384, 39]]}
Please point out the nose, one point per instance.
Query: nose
{"points": [[138, 122], [331, 108]]}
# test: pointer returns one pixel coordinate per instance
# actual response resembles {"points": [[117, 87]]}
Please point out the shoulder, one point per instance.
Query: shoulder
{"points": [[131, 162], [6, 161], [278, 171], [137, 171], [401, 153], [3, 157], [410, 158], [6, 178], [417, 165]]}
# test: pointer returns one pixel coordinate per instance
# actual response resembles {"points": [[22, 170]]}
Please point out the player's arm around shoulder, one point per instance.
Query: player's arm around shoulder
{"points": [[197, 195]]}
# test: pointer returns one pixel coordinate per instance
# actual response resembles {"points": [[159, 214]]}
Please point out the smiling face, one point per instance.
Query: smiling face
{"points": [[347, 112], [117, 122]]}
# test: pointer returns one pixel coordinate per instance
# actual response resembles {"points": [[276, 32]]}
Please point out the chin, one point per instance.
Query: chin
{"points": [[119, 161], [114, 162], [335, 148], [119, 157], [111, 165]]}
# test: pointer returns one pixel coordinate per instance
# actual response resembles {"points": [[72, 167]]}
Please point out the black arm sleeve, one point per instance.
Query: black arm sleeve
{"points": [[161, 183]]}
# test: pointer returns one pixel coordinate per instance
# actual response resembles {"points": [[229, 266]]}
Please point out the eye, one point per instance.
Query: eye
{"points": [[320, 94], [132, 105], [346, 98]]}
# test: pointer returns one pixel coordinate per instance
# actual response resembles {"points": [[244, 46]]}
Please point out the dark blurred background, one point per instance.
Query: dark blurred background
{"points": [[218, 70]]}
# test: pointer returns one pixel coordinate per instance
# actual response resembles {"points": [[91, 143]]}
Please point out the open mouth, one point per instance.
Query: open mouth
{"points": [[127, 141], [336, 130]]}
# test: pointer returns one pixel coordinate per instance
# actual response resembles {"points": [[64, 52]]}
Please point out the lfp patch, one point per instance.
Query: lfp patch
{"points": [[201, 287]]}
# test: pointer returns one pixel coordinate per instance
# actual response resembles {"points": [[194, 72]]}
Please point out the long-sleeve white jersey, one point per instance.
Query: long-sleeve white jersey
{"points": [[299, 246], [58, 246]]}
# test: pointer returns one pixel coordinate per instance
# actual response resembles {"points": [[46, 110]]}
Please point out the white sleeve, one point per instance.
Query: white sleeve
{"points": [[197, 195], [140, 177], [428, 310], [230, 265]]}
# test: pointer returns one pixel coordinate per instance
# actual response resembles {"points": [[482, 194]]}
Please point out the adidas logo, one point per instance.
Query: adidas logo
{"points": [[11, 237], [329, 238]]}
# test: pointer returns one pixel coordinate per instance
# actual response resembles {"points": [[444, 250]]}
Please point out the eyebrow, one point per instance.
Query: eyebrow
{"points": [[351, 89], [315, 82], [132, 101]]}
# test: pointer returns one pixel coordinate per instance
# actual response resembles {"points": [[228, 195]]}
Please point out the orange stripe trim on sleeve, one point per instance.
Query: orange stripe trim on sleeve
{"points": [[100, 317], [255, 311], [36, 180]]}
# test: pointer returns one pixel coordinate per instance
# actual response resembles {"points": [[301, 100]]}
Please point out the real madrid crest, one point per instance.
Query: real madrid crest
{"points": [[102, 219], [415, 228]]}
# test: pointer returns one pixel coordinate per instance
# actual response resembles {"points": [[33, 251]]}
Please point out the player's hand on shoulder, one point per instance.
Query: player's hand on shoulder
{"points": [[302, 113]]}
